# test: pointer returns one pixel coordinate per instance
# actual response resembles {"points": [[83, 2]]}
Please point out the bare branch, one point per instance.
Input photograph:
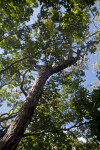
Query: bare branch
{"points": [[93, 17], [57, 130]]}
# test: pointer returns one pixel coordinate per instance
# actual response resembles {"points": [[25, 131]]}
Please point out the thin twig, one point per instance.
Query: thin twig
{"points": [[93, 17], [93, 33], [22, 83]]}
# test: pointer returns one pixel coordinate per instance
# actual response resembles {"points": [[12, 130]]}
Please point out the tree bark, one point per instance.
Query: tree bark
{"points": [[18, 126]]}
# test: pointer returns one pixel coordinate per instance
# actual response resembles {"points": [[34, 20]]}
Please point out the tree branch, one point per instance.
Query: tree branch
{"points": [[17, 61], [93, 16], [21, 87], [93, 33], [64, 64], [53, 131], [8, 117]]}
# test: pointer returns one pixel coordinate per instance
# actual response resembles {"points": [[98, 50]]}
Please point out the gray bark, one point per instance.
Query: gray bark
{"points": [[18, 126]]}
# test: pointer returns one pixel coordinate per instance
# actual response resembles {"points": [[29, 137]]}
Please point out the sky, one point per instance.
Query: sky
{"points": [[90, 73]]}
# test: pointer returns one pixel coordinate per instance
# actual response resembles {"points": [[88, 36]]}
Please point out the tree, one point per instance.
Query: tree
{"points": [[53, 47]]}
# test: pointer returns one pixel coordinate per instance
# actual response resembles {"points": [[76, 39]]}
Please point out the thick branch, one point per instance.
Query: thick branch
{"points": [[67, 63]]}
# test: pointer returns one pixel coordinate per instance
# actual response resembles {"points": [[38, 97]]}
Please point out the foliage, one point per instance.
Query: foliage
{"points": [[66, 110]]}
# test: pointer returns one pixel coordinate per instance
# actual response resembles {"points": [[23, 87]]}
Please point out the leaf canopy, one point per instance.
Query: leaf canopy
{"points": [[67, 110]]}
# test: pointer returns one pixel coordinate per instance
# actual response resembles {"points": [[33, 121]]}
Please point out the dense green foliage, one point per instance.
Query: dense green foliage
{"points": [[67, 110]]}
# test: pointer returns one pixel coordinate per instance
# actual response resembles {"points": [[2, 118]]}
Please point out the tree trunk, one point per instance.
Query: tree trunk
{"points": [[17, 128], [19, 125]]}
